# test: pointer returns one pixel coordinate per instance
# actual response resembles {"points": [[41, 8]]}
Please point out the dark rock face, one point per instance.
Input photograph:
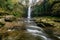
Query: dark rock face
{"points": [[56, 20]]}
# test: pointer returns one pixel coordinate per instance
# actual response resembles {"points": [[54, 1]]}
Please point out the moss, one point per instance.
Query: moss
{"points": [[1, 24]]}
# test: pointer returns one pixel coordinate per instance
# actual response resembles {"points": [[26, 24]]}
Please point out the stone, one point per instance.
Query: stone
{"points": [[9, 18]]}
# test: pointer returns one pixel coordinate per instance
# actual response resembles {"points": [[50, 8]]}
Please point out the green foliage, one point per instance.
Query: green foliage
{"points": [[18, 10], [47, 8], [13, 8], [38, 9], [2, 3], [56, 9]]}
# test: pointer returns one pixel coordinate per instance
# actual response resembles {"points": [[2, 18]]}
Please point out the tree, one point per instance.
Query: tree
{"points": [[56, 8], [47, 8]]}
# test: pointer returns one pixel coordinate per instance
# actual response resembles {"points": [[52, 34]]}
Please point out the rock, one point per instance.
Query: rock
{"points": [[56, 30], [15, 25], [56, 20], [2, 22], [9, 18]]}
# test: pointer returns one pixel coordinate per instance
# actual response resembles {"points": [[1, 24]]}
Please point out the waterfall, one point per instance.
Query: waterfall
{"points": [[31, 26], [29, 10], [30, 4], [36, 31]]}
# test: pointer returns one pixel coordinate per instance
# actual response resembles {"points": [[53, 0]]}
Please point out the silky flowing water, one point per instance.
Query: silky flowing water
{"points": [[36, 31]]}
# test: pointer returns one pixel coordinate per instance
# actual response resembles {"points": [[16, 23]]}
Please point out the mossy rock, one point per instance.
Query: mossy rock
{"points": [[1, 24], [17, 25], [10, 18], [19, 35]]}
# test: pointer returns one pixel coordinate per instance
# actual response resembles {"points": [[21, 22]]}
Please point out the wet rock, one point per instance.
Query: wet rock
{"points": [[56, 31], [56, 20], [48, 25]]}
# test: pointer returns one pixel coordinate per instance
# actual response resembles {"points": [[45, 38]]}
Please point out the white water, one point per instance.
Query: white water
{"points": [[29, 8], [29, 12], [31, 27], [37, 31]]}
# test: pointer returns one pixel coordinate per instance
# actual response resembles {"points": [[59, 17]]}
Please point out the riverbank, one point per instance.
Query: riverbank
{"points": [[51, 25]]}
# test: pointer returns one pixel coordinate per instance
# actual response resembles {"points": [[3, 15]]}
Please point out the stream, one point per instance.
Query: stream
{"points": [[37, 31]]}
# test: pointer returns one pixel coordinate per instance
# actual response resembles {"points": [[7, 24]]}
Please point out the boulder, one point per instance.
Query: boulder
{"points": [[2, 22], [9, 18], [15, 25]]}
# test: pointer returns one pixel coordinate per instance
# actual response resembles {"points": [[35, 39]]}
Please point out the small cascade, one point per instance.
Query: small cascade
{"points": [[30, 4], [36, 31], [31, 27], [29, 10]]}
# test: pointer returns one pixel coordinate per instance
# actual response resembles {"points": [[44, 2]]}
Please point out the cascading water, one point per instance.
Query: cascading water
{"points": [[36, 31], [31, 26], [30, 4], [29, 10]]}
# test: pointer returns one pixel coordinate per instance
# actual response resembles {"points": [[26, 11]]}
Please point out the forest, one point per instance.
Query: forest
{"points": [[46, 8]]}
